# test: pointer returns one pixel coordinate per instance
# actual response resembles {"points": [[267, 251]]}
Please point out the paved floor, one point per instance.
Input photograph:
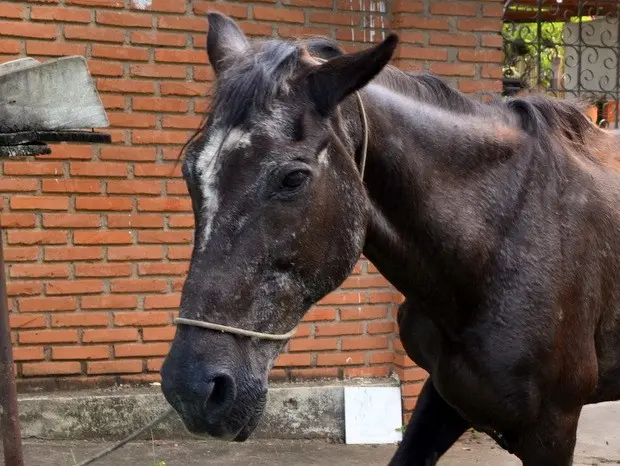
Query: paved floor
{"points": [[598, 444]]}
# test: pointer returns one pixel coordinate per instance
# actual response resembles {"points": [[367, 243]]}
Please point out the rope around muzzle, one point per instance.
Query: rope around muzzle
{"points": [[287, 335]]}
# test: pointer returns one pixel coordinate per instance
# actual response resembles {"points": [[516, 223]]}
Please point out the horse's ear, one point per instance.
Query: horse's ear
{"points": [[331, 82], [225, 41]]}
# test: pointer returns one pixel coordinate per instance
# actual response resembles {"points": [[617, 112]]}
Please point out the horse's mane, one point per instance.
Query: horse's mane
{"points": [[252, 84]]}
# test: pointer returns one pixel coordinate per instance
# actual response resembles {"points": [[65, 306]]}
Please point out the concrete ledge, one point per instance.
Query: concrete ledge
{"points": [[293, 411]]}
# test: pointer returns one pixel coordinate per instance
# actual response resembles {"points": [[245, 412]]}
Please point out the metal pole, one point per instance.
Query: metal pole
{"points": [[9, 418]]}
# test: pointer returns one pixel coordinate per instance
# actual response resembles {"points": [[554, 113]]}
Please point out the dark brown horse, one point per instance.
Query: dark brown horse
{"points": [[497, 222]]}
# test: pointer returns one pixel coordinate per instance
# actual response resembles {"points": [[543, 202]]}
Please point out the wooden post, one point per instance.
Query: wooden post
{"points": [[9, 417]]}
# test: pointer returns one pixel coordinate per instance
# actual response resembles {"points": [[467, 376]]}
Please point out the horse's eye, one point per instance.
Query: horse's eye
{"points": [[293, 180]]}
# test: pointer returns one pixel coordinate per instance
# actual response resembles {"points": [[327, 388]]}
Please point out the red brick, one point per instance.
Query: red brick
{"points": [[71, 221], [182, 23], [202, 73], [340, 359], [181, 56], [141, 319], [138, 286], [128, 253], [135, 220], [340, 328], [12, 11], [345, 19], [318, 344], [361, 343], [103, 270], [158, 334], [39, 271], [459, 40], [380, 327], [74, 287], [39, 203], [70, 254], [154, 365], [94, 34], [235, 11], [422, 53], [102, 203], [143, 136], [162, 39], [159, 268], [102, 3], [114, 367], [8, 220], [165, 237], [48, 336], [187, 89], [480, 25], [136, 350], [130, 86], [418, 22], [36, 48], [98, 169], [481, 56], [339, 297], [24, 288], [170, 204], [293, 32], [137, 154], [265, 13], [363, 313], [10, 46], [381, 357], [120, 53], [26, 321], [495, 40], [124, 19], [55, 14], [179, 252], [496, 11], [80, 352], [109, 302], [459, 8], [50, 368], [320, 313], [180, 221], [71, 186], [18, 185], [102, 237], [134, 187], [181, 122], [109, 335], [32, 168], [169, 301], [28, 353], [491, 71], [24, 254], [178, 188], [80, 319], [158, 170], [411, 37], [71, 151], [159, 71], [160, 104], [292, 360], [30, 30], [453, 69], [47, 304]]}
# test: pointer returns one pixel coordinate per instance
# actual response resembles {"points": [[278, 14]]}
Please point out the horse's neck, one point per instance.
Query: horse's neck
{"points": [[431, 177]]}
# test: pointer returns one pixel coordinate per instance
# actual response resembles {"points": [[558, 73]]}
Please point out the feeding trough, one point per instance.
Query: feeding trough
{"points": [[55, 101]]}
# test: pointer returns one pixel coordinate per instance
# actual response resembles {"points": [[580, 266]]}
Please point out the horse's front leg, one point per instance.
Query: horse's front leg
{"points": [[433, 429]]}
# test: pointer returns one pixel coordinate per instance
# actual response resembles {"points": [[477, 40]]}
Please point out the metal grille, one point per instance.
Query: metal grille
{"points": [[568, 48]]}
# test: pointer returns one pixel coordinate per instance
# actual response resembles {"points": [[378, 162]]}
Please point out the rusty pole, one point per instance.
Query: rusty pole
{"points": [[9, 418]]}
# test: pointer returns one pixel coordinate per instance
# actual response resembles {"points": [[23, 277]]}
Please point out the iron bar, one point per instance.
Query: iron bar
{"points": [[9, 418]]}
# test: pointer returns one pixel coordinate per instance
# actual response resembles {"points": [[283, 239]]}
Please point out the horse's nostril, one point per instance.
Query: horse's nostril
{"points": [[220, 400]]}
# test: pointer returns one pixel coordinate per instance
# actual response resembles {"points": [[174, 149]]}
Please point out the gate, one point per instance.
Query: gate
{"points": [[567, 48]]}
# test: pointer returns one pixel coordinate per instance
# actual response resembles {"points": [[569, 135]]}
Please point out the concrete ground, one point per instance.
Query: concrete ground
{"points": [[598, 444]]}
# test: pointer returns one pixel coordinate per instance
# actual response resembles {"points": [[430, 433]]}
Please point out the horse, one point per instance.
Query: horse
{"points": [[495, 220]]}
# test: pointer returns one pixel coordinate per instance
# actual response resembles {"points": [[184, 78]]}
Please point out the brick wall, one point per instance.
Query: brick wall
{"points": [[97, 238]]}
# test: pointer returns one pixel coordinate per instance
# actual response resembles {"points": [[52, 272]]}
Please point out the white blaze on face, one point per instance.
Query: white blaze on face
{"points": [[208, 166], [324, 157]]}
